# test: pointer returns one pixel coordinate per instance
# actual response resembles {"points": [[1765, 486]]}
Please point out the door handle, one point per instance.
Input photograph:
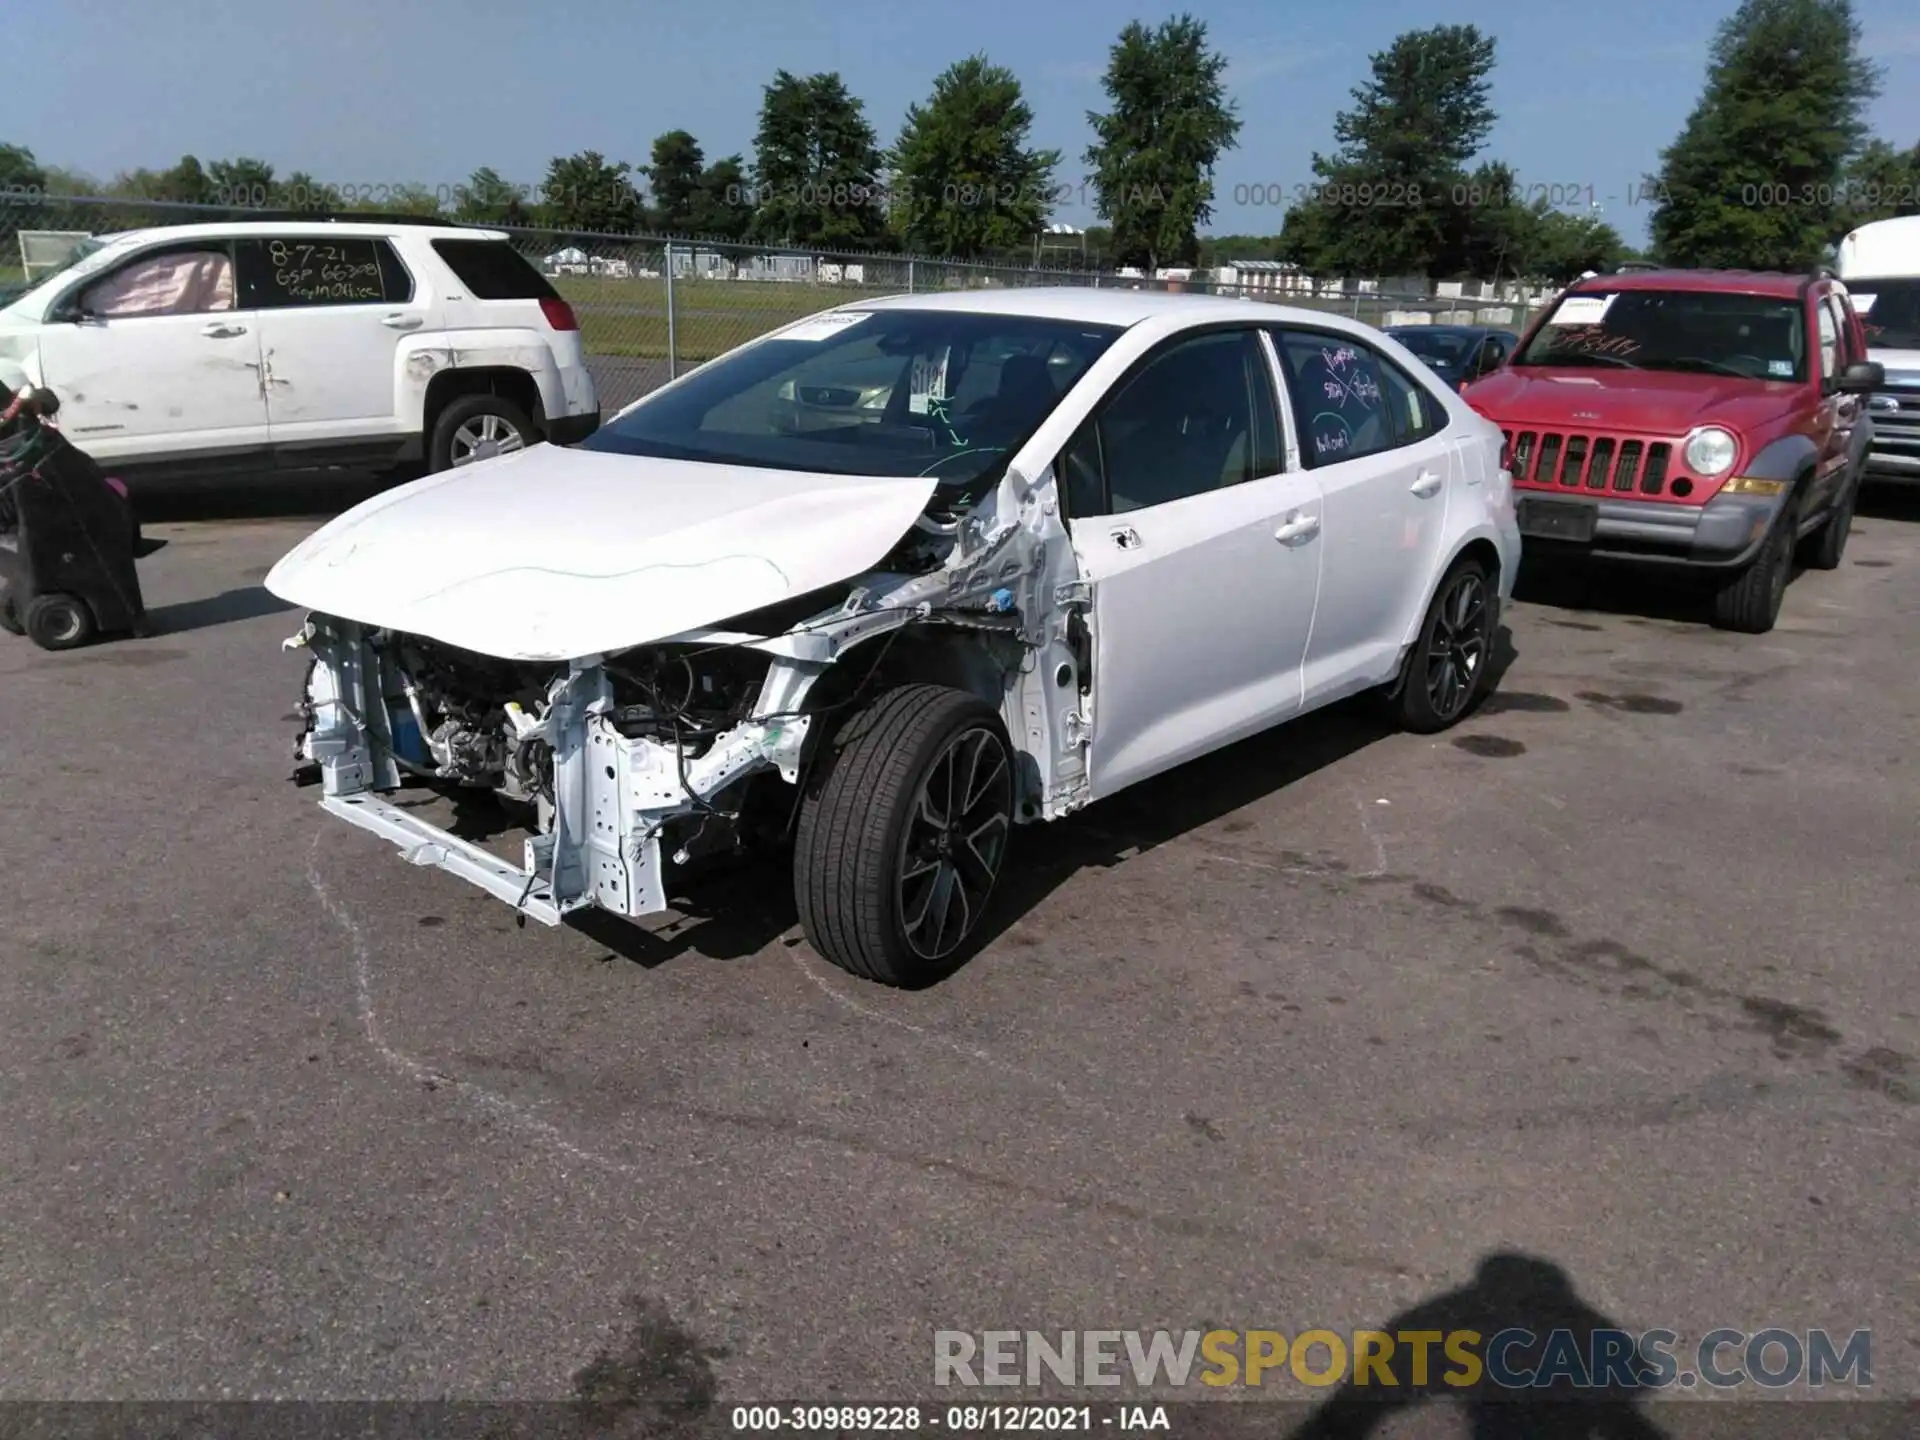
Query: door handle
{"points": [[1127, 538], [1298, 530], [219, 331], [1427, 485], [403, 322]]}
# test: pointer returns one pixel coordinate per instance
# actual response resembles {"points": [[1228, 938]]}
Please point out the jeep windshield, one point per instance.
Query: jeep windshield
{"points": [[943, 393], [1755, 337], [1890, 309]]}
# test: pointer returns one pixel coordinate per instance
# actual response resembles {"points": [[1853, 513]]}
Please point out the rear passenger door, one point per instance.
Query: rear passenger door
{"points": [[1374, 438], [1202, 551], [335, 313]]}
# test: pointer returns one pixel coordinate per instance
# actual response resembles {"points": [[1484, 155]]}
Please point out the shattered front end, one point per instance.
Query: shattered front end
{"points": [[626, 763]]}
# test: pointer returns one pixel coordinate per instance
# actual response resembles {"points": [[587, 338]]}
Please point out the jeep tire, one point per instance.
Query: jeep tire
{"points": [[904, 822], [471, 426], [1827, 544], [1750, 601]]}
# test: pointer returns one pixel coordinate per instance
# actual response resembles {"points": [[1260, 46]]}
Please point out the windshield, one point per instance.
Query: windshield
{"points": [[946, 393], [1439, 347], [43, 271], [1890, 309], [1753, 336]]}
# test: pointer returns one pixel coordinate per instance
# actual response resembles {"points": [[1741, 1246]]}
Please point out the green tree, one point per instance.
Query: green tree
{"points": [[300, 191], [1395, 197], [185, 183], [817, 165], [726, 200], [487, 199], [588, 192], [1881, 183], [967, 181], [242, 182], [20, 173], [674, 184], [1154, 150], [1753, 179]]}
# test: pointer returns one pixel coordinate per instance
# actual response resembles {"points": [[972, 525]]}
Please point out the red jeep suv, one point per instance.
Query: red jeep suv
{"points": [[1711, 419]]}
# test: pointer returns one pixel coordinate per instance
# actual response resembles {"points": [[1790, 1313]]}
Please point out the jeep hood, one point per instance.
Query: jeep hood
{"points": [[1647, 402], [557, 554]]}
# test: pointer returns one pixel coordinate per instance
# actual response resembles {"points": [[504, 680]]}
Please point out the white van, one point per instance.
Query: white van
{"points": [[1880, 264]]}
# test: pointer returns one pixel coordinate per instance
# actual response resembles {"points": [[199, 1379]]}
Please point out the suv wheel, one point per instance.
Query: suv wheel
{"points": [[1750, 602], [1829, 542], [903, 830], [477, 427]]}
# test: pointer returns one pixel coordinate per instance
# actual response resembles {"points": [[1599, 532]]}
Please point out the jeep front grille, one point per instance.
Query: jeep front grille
{"points": [[1575, 461]]}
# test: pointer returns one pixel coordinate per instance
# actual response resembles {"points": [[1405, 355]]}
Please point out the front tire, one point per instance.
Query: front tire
{"points": [[1447, 672], [59, 622], [477, 427], [902, 834], [1750, 602]]}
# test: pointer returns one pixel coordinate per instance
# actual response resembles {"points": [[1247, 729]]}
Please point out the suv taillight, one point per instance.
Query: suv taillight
{"points": [[559, 314]]}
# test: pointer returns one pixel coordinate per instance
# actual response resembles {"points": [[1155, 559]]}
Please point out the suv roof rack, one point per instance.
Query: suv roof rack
{"points": [[349, 217]]}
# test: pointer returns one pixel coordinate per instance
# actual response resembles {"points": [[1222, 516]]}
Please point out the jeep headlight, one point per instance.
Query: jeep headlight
{"points": [[1711, 452]]}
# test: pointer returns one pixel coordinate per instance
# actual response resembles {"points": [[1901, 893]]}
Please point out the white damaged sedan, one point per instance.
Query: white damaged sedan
{"points": [[893, 580]]}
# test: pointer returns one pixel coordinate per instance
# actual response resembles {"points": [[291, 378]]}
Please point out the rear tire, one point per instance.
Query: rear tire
{"points": [[477, 427], [1827, 544], [1447, 671], [59, 622], [1750, 602], [903, 832]]}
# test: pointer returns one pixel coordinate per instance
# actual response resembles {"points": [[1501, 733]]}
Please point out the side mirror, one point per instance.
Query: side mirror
{"points": [[1862, 377]]}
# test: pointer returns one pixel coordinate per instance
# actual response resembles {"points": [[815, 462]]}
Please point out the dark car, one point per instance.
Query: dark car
{"points": [[1458, 354], [1709, 419]]}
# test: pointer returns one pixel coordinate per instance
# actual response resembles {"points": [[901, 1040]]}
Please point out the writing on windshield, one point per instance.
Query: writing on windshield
{"points": [[1754, 337]]}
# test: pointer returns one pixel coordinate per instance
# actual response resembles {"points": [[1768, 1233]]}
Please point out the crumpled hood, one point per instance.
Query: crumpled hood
{"points": [[1644, 401], [555, 554]]}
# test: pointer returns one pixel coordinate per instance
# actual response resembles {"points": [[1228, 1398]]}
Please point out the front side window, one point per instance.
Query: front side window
{"points": [[1830, 349], [196, 281], [1199, 416], [945, 393], [1754, 337]]}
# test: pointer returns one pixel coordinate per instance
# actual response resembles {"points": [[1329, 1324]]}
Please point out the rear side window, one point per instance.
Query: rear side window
{"points": [[283, 272], [494, 270], [1350, 401]]}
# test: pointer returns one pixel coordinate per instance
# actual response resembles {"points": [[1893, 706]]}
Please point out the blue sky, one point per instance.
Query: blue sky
{"points": [[383, 92]]}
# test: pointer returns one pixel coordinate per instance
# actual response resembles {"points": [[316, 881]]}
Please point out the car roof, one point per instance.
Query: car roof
{"points": [[1089, 305], [220, 229], [1777, 284], [1446, 330]]}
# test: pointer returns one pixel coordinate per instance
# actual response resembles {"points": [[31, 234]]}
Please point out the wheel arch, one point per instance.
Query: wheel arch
{"points": [[505, 381]]}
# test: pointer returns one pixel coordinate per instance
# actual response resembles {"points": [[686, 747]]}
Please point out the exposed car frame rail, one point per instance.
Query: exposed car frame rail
{"points": [[1011, 571]]}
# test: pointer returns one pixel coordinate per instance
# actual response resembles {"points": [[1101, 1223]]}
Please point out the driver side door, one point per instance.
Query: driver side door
{"points": [[1202, 552], [155, 358]]}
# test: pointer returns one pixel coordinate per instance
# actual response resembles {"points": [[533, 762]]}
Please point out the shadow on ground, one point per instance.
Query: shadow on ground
{"points": [[266, 497], [247, 603], [735, 909], [1582, 1379]]}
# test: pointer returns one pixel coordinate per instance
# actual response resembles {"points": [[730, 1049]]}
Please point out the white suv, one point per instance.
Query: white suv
{"points": [[201, 349]]}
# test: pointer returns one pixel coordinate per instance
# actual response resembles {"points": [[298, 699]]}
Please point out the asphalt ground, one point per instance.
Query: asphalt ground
{"points": [[1611, 978]]}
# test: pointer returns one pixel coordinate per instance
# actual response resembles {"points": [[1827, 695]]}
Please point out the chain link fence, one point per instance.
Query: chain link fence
{"points": [[652, 306]]}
